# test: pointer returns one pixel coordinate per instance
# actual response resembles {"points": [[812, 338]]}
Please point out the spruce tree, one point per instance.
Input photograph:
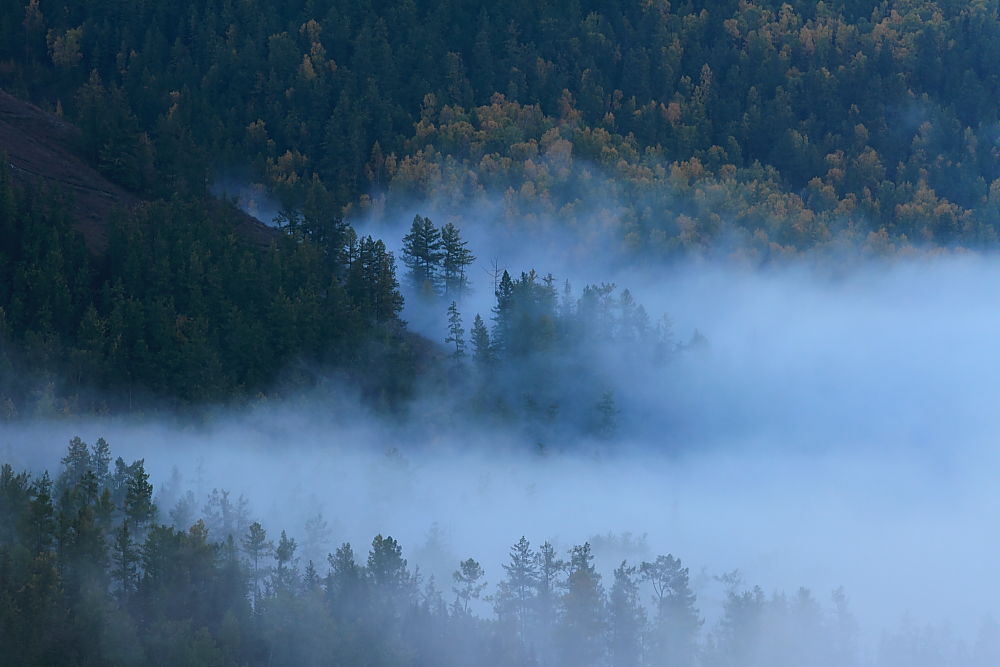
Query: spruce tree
{"points": [[627, 618], [422, 255], [456, 333], [514, 602], [583, 611], [503, 315], [482, 351], [255, 544]]}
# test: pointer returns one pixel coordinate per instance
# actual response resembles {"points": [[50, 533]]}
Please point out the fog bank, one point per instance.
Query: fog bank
{"points": [[834, 431]]}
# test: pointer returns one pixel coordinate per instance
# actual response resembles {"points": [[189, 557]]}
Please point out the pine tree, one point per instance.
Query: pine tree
{"points": [[138, 505], [482, 351], [468, 585], [387, 574], [677, 622], [126, 559], [284, 555], [456, 257], [317, 536], [515, 599], [456, 333], [547, 584], [422, 255], [77, 462], [255, 544], [583, 614], [503, 315], [101, 460], [627, 618], [344, 581]]}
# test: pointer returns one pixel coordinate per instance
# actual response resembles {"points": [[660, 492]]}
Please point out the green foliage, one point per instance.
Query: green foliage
{"points": [[793, 124], [422, 255], [456, 332], [539, 341], [78, 586], [182, 308]]}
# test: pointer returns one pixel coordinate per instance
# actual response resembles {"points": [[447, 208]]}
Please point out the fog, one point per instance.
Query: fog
{"points": [[251, 198], [838, 429]]}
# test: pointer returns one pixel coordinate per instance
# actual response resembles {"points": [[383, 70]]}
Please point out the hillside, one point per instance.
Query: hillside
{"points": [[43, 151], [754, 128]]}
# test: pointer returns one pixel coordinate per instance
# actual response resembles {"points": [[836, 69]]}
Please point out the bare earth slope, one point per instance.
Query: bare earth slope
{"points": [[41, 151]]}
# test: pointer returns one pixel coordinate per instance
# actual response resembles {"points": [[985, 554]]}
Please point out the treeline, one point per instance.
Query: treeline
{"points": [[761, 127], [92, 572], [550, 360], [182, 308], [542, 358]]}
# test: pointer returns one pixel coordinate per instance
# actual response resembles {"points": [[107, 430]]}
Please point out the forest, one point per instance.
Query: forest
{"points": [[93, 571], [741, 130], [758, 127], [724, 266]]}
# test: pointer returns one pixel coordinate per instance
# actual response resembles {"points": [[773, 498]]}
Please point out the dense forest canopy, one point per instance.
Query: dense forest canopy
{"points": [[648, 129], [762, 126], [180, 307], [639, 138]]}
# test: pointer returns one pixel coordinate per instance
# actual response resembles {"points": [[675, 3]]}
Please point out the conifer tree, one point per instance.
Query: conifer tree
{"points": [[255, 545], [550, 569], [456, 333], [515, 599], [422, 254], [138, 505], [126, 559], [503, 315], [76, 461], [344, 581], [284, 556], [626, 617], [469, 585], [677, 621], [482, 350], [101, 461], [583, 611], [456, 258]]}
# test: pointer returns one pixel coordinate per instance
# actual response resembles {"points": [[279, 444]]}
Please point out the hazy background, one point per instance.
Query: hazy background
{"points": [[836, 430]]}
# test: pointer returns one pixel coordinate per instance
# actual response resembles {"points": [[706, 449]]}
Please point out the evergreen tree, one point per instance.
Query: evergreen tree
{"points": [[76, 462], [503, 315], [138, 505], [550, 569], [626, 617], [677, 622], [317, 536], [422, 254], [456, 258], [514, 603], [456, 333], [101, 460], [482, 350], [255, 545], [344, 582], [284, 556], [126, 560], [469, 585], [583, 621]]}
